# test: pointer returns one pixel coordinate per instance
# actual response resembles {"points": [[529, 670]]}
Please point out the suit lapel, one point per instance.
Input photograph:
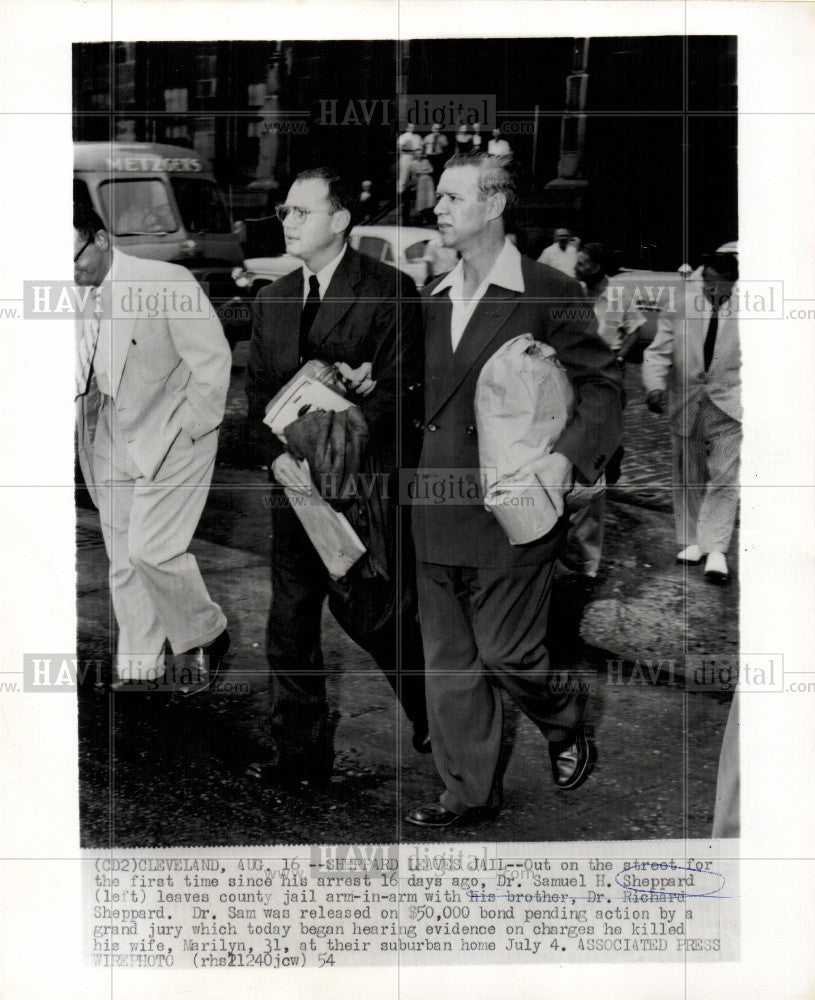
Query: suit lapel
{"points": [[119, 322], [288, 307], [340, 295], [488, 319], [438, 349]]}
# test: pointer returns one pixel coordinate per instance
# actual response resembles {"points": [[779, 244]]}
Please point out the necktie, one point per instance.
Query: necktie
{"points": [[87, 345], [710, 336], [308, 314]]}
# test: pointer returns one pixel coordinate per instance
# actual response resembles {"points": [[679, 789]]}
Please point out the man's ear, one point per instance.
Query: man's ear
{"points": [[340, 220], [102, 240], [497, 204]]}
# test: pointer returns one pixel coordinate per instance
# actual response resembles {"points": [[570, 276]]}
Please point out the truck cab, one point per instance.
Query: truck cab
{"points": [[163, 203]]}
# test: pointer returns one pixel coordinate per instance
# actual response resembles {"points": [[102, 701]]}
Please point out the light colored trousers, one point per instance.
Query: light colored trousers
{"points": [[706, 467], [155, 584]]}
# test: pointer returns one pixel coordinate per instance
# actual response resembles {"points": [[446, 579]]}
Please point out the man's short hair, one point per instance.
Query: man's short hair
{"points": [[339, 194], [725, 264], [599, 255], [86, 221], [497, 174]]}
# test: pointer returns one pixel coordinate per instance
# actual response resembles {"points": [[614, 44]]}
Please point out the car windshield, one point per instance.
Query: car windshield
{"points": [[137, 207], [201, 205]]}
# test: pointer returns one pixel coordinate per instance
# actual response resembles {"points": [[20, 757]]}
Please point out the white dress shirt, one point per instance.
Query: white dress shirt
{"points": [[505, 272]]}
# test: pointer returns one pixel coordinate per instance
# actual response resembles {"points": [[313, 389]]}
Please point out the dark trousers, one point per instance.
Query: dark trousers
{"points": [[300, 721], [485, 628]]}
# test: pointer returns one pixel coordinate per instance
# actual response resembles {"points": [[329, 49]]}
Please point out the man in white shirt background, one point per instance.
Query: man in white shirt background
{"points": [[561, 254], [497, 146], [698, 354]]}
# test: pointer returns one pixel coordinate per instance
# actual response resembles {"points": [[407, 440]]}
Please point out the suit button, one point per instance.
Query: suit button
{"points": [[132, 341], [471, 430], [432, 427]]}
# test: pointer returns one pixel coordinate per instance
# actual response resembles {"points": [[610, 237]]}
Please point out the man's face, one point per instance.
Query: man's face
{"points": [[93, 262], [585, 268], [717, 287], [310, 234], [562, 237], [461, 213]]}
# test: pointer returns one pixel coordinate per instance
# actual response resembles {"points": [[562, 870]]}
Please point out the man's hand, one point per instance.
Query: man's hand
{"points": [[655, 400], [357, 379]]}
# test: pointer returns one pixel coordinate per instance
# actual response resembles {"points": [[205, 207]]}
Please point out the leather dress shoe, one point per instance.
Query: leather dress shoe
{"points": [[436, 816], [716, 569], [199, 669], [572, 760], [691, 555]]}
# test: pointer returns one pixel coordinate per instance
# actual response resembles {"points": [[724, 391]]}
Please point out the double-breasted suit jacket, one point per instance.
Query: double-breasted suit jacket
{"points": [[553, 309]]}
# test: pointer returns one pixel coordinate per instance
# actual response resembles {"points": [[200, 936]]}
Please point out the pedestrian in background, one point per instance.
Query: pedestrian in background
{"points": [[699, 355], [435, 149], [421, 175], [498, 146], [561, 253], [463, 140]]}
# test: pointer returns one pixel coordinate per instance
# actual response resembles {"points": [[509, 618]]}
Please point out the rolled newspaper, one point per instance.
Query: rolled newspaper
{"points": [[335, 541]]}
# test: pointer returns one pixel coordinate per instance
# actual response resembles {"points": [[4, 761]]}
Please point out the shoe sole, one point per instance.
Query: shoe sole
{"points": [[719, 579]]}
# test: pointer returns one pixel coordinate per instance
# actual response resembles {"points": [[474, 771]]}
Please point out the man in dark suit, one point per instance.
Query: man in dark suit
{"points": [[483, 602], [339, 307]]}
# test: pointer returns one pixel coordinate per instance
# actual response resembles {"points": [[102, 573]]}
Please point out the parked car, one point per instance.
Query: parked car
{"points": [[404, 247]]}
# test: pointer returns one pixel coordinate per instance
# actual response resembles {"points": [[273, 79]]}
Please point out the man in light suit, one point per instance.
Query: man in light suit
{"points": [[482, 601], [700, 351], [345, 308], [153, 370]]}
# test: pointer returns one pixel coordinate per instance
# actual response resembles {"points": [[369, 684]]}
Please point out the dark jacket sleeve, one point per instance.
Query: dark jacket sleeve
{"points": [[261, 382], [595, 431], [397, 359]]}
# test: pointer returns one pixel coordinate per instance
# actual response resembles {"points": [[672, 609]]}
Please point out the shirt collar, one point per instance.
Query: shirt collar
{"points": [[325, 274], [506, 272]]}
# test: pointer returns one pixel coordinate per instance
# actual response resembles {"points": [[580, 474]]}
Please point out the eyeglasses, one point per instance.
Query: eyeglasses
{"points": [[299, 214], [85, 246]]}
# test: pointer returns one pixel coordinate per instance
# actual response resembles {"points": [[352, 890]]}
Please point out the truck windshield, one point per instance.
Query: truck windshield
{"points": [[137, 207], [201, 205]]}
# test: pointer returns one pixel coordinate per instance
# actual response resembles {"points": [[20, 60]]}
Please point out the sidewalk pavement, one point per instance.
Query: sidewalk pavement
{"points": [[175, 776]]}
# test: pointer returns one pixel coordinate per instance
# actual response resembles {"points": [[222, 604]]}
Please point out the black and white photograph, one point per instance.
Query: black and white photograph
{"points": [[510, 609], [407, 499]]}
